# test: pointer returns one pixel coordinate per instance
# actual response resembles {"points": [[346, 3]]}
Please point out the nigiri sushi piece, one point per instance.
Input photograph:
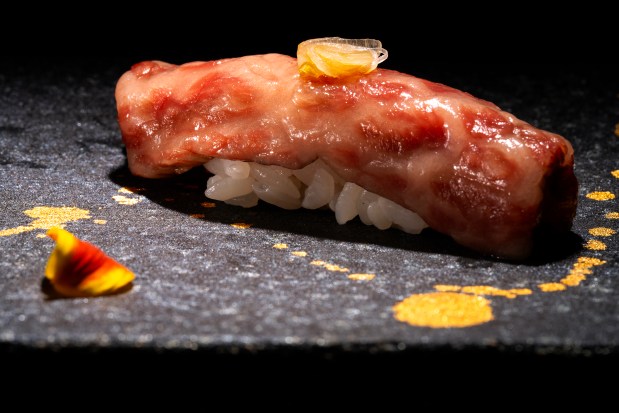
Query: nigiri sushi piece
{"points": [[382, 143]]}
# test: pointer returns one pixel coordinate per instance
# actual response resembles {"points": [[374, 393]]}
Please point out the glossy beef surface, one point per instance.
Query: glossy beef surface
{"points": [[470, 170]]}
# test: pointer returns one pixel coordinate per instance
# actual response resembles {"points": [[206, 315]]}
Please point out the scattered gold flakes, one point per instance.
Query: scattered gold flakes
{"points": [[484, 290], [601, 196], [100, 221], [580, 270], [361, 277], [198, 216], [443, 310], [612, 215], [328, 266], [130, 190], [551, 287], [595, 245], [123, 200], [602, 232], [464, 306], [241, 225], [207, 204], [42, 235], [615, 173], [48, 217]]}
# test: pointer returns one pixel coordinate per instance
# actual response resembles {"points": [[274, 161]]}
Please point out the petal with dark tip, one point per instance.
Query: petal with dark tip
{"points": [[77, 268]]}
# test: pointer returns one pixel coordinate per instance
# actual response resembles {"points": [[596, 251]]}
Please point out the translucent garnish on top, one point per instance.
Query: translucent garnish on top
{"points": [[339, 58]]}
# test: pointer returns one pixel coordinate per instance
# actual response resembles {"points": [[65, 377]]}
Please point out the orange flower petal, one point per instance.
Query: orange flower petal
{"points": [[77, 268]]}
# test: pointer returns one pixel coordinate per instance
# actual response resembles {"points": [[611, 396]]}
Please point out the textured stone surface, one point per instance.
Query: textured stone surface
{"points": [[203, 284]]}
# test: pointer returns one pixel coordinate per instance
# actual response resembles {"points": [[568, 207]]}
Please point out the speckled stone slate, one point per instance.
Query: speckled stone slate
{"points": [[205, 285]]}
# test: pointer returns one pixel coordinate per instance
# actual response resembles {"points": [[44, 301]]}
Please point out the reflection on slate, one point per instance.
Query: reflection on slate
{"points": [[210, 276]]}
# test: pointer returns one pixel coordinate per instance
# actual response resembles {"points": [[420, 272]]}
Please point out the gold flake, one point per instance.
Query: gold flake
{"points": [[551, 287], [361, 277], [602, 232], [123, 200], [48, 217], [130, 190], [241, 225], [328, 266], [443, 310], [601, 196], [595, 245]]}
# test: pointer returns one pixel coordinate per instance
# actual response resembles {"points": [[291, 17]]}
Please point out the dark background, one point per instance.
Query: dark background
{"points": [[517, 35]]}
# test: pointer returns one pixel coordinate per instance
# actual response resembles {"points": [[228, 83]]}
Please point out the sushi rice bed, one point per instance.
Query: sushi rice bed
{"points": [[314, 186]]}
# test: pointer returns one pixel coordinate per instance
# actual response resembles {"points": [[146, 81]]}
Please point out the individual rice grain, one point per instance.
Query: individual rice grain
{"points": [[245, 201], [402, 218], [238, 169], [276, 195], [320, 191], [346, 205], [363, 203], [223, 188], [276, 179], [377, 216], [217, 166]]}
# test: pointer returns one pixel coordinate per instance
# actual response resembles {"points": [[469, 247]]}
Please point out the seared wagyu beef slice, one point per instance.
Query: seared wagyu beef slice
{"points": [[467, 168]]}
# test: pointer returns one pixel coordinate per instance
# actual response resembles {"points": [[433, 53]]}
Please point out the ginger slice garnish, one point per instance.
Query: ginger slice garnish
{"points": [[336, 57]]}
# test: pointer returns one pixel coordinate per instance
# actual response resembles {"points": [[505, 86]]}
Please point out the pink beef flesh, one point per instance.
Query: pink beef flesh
{"points": [[469, 169]]}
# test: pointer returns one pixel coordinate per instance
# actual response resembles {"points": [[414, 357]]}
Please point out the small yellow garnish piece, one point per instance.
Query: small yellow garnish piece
{"points": [[338, 58], [77, 268]]}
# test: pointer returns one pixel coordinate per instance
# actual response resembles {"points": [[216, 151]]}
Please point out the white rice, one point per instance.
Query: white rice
{"points": [[315, 186]]}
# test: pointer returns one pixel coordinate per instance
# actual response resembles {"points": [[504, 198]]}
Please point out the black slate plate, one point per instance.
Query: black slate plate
{"points": [[207, 287]]}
